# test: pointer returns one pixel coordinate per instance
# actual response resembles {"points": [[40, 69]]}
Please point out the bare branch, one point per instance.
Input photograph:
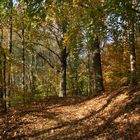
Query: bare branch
{"points": [[37, 43]]}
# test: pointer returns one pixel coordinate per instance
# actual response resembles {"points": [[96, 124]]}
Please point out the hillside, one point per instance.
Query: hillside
{"points": [[112, 116]]}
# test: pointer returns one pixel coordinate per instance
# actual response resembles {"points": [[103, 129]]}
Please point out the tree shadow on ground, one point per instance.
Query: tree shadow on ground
{"points": [[68, 129], [114, 134]]}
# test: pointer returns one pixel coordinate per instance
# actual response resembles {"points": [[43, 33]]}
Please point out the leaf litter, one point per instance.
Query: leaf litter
{"points": [[114, 115]]}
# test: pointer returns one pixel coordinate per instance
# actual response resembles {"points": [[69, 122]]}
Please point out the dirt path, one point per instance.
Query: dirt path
{"points": [[114, 116]]}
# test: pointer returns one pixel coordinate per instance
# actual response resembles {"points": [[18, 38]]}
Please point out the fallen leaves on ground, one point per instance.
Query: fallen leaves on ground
{"points": [[110, 116]]}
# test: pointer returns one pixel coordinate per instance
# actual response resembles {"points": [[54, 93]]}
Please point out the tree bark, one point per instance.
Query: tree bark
{"points": [[63, 60], [33, 78], [10, 52], [1, 77], [76, 66], [4, 82], [132, 51], [2, 73], [97, 68], [91, 80], [23, 61], [133, 78], [1, 65], [76, 82]]}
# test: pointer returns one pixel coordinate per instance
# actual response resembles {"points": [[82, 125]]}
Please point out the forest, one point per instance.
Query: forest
{"points": [[69, 69]]}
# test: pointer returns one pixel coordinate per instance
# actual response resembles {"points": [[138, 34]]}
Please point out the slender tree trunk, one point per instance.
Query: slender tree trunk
{"points": [[1, 66], [76, 82], [2, 73], [10, 52], [14, 81], [11, 27], [23, 61], [1, 82], [4, 82], [91, 80], [97, 67], [76, 65], [62, 92], [33, 78], [133, 78], [1, 76], [132, 50]]}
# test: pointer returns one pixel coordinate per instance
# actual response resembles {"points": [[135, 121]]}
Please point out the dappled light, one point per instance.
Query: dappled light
{"points": [[108, 116], [69, 69]]}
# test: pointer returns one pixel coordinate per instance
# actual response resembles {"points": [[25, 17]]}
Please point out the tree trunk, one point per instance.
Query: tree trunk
{"points": [[1, 68], [4, 82], [91, 80], [133, 78], [63, 60], [23, 61], [76, 82], [76, 66], [97, 68], [2, 73], [1, 76], [33, 78], [10, 52]]}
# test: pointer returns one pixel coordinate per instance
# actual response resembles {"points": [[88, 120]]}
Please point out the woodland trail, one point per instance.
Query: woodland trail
{"points": [[111, 116]]}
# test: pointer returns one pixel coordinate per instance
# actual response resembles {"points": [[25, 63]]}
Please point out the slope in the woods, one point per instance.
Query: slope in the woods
{"points": [[111, 116]]}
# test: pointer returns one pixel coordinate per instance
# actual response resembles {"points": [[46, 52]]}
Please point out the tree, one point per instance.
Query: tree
{"points": [[97, 67], [95, 29], [132, 35], [10, 6]]}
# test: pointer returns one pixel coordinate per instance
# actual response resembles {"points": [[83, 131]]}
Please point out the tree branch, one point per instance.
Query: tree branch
{"points": [[37, 43]]}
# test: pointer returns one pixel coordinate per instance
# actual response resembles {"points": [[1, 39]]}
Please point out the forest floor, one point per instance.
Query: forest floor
{"points": [[111, 116]]}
